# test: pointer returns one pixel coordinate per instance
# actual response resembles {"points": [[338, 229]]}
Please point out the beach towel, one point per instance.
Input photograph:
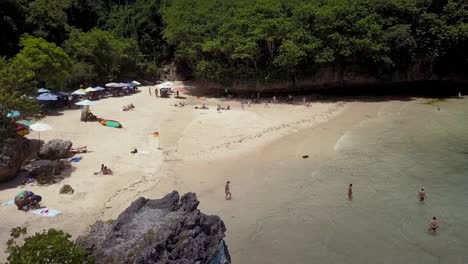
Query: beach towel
{"points": [[76, 159], [12, 202], [46, 212]]}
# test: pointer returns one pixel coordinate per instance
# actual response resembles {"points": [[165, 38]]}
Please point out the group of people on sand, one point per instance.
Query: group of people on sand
{"points": [[105, 170], [27, 200], [128, 107], [219, 108], [433, 225], [180, 104]]}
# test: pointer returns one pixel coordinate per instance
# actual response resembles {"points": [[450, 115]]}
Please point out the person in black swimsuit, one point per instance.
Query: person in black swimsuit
{"points": [[421, 195]]}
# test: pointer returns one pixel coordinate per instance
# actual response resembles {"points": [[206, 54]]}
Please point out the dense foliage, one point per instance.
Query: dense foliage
{"points": [[281, 39], [225, 41], [51, 246]]}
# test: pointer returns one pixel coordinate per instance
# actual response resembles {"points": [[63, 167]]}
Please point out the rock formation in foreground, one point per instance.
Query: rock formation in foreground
{"points": [[163, 231]]}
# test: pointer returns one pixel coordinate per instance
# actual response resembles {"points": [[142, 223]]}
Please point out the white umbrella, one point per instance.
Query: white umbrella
{"points": [[47, 97], [85, 102], [40, 127], [112, 84], [43, 90], [136, 83], [165, 85], [99, 88], [80, 92], [91, 89]]}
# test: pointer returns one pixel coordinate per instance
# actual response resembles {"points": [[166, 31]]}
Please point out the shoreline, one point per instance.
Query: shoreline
{"points": [[185, 133]]}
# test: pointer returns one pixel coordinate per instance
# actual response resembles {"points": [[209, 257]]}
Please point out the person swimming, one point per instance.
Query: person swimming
{"points": [[421, 195], [433, 225]]}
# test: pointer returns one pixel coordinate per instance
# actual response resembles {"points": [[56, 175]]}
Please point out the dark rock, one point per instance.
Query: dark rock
{"points": [[55, 149], [167, 230], [66, 189], [44, 171], [13, 152]]}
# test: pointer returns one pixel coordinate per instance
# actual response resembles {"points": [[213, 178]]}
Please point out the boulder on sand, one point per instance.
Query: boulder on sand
{"points": [[55, 149], [44, 171], [13, 152], [166, 230]]}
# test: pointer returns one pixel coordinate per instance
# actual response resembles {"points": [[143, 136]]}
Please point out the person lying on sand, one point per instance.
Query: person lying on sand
{"points": [[125, 108], [106, 171], [433, 225], [228, 107], [204, 107], [135, 151], [421, 195], [82, 149]]}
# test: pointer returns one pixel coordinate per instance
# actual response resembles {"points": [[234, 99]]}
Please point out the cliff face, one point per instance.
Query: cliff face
{"points": [[329, 77], [167, 230]]}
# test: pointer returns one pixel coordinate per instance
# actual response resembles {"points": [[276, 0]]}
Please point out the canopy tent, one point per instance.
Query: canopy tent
{"points": [[85, 102], [80, 92], [47, 97], [91, 89], [43, 90]]}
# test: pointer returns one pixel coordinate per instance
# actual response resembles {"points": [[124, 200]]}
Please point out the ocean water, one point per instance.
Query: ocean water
{"points": [[298, 211], [388, 159], [287, 209]]}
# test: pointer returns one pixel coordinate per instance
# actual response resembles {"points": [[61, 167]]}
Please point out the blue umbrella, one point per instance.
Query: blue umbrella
{"points": [[47, 97], [13, 114]]}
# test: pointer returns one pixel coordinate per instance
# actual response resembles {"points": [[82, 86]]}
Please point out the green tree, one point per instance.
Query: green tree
{"points": [[51, 246], [39, 61], [108, 55]]}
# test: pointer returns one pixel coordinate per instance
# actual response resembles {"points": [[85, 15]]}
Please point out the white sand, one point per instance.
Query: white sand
{"points": [[186, 133]]}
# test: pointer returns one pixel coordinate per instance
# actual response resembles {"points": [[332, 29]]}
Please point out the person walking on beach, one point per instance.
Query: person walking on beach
{"points": [[433, 225], [421, 195], [149, 90], [227, 190], [249, 102], [266, 104], [156, 92], [350, 192], [274, 100]]}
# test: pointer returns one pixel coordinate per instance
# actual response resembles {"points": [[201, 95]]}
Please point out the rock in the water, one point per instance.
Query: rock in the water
{"points": [[168, 230], [66, 189], [13, 152], [44, 171], [55, 149]]}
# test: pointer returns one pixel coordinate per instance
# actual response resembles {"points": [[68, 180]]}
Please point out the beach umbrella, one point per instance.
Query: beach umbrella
{"points": [[25, 122], [47, 97], [40, 127], [80, 92], [91, 89], [85, 102], [99, 88], [135, 83], [12, 114], [112, 84], [165, 85], [43, 90]]}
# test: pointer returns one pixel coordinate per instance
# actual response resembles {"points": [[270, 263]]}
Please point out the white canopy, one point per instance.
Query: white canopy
{"points": [[165, 85], [40, 127]]}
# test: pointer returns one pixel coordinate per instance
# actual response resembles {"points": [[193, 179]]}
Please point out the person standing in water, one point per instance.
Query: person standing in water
{"points": [[421, 195], [227, 190], [433, 225], [350, 192]]}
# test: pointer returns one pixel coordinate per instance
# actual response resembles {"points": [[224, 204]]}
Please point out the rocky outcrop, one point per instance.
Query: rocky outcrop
{"points": [[55, 149], [13, 152], [43, 171], [168, 230]]}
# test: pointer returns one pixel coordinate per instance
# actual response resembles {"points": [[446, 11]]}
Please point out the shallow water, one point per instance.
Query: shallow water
{"points": [[286, 209]]}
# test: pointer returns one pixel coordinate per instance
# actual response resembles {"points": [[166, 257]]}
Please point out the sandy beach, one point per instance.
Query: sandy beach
{"points": [[285, 208], [186, 134]]}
